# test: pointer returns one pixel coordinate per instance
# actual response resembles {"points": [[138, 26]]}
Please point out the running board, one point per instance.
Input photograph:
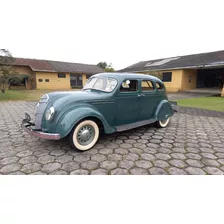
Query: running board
{"points": [[134, 125]]}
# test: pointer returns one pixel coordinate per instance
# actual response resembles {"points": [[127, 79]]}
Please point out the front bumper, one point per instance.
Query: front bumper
{"points": [[27, 126]]}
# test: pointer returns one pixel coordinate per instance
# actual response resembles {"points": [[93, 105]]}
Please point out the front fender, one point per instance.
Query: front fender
{"points": [[163, 111], [69, 119]]}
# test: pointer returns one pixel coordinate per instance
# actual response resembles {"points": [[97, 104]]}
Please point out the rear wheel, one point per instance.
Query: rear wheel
{"points": [[163, 123], [84, 135]]}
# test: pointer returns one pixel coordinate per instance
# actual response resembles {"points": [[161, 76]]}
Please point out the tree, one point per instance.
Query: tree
{"points": [[7, 70], [102, 65], [106, 67]]}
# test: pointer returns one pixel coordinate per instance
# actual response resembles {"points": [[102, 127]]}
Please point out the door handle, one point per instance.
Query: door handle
{"points": [[139, 95]]}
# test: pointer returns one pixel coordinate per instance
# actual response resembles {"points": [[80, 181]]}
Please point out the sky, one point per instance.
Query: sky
{"points": [[121, 32]]}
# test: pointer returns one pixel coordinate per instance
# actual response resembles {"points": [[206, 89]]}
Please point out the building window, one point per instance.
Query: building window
{"points": [[76, 80], [147, 85], [167, 77], [159, 86], [40, 80], [129, 86], [61, 75], [47, 80]]}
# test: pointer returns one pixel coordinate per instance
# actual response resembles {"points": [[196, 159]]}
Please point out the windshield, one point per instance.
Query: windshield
{"points": [[104, 84]]}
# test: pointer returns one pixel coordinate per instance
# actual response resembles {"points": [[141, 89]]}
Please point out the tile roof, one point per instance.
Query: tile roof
{"points": [[57, 66], [34, 64], [74, 67], [211, 59]]}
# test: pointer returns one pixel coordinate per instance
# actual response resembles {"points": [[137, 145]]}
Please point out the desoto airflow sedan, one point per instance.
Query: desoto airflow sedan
{"points": [[109, 102]]}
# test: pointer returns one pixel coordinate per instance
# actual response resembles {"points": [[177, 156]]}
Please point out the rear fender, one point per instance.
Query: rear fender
{"points": [[163, 111], [69, 119]]}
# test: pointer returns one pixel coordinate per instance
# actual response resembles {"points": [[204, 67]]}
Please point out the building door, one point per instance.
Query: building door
{"points": [[76, 80], [209, 78]]}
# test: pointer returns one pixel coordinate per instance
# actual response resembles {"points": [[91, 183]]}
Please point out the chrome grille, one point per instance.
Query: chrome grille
{"points": [[39, 111]]}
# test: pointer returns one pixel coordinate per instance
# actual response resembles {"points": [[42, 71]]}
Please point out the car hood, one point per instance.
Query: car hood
{"points": [[75, 94], [61, 99]]}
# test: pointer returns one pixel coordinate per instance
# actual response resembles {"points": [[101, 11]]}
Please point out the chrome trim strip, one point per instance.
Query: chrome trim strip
{"points": [[39, 113], [47, 97], [134, 125], [42, 99]]}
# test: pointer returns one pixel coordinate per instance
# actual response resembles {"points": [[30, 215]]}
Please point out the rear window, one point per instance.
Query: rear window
{"points": [[159, 86]]}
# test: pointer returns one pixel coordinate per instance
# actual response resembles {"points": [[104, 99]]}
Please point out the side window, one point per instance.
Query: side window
{"points": [[129, 86], [147, 86], [159, 86]]}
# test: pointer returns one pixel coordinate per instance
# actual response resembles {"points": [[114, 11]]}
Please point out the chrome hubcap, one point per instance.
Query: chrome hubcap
{"points": [[85, 135]]}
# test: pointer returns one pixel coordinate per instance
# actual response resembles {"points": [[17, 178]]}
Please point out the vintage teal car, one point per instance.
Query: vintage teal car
{"points": [[109, 102]]}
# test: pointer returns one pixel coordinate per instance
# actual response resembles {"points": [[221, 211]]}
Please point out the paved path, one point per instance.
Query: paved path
{"points": [[192, 144]]}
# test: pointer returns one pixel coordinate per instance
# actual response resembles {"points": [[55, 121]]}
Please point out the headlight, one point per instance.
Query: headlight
{"points": [[49, 113]]}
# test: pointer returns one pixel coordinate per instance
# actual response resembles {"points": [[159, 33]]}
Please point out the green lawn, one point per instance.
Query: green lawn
{"points": [[209, 103], [30, 95]]}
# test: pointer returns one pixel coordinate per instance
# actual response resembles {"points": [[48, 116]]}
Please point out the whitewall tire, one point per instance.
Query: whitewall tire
{"points": [[85, 135], [163, 123]]}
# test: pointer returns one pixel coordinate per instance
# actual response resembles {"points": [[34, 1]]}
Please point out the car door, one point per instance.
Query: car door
{"points": [[147, 100], [127, 105]]}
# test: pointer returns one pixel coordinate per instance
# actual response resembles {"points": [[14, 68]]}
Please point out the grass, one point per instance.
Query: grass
{"points": [[210, 103], [28, 95]]}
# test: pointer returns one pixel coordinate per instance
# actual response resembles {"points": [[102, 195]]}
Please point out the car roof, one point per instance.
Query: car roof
{"points": [[127, 75]]}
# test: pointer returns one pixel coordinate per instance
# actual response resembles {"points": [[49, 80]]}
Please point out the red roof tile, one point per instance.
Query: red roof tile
{"points": [[58, 66], [34, 64]]}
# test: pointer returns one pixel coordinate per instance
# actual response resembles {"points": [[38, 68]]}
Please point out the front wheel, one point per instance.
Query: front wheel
{"points": [[163, 123], [84, 136]]}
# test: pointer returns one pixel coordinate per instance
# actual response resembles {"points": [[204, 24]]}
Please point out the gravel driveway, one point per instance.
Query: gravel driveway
{"points": [[192, 144]]}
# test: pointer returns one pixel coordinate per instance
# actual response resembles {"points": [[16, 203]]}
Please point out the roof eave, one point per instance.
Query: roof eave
{"points": [[177, 68], [39, 70], [82, 72]]}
